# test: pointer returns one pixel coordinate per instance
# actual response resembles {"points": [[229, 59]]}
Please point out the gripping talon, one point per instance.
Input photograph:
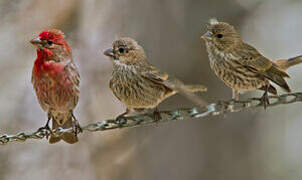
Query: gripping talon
{"points": [[156, 115], [47, 128], [265, 100], [224, 105], [76, 125], [76, 128], [121, 118]]}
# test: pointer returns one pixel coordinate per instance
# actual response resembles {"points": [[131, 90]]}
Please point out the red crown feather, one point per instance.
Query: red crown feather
{"points": [[53, 35]]}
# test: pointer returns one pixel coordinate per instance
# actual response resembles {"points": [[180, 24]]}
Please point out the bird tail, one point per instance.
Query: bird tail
{"points": [[186, 90], [69, 137], [277, 75], [284, 64], [195, 88]]}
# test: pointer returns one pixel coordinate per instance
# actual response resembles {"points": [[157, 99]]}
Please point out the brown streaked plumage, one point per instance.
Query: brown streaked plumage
{"points": [[135, 82], [240, 66]]}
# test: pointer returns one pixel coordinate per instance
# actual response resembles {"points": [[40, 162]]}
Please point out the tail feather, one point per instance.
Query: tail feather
{"points": [[68, 137], [178, 86], [196, 88], [284, 64], [277, 76]]}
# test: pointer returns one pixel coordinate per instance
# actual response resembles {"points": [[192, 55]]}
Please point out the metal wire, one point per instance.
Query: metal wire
{"points": [[214, 109]]}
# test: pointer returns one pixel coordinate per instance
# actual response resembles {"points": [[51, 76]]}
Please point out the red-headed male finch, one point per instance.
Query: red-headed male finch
{"points": [[138, 84], [240, 66], [56, 81]]}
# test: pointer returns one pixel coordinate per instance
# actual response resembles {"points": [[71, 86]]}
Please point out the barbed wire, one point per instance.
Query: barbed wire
{"points": [[214, 109]]}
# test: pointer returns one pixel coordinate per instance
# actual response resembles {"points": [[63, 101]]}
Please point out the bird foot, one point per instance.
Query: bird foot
{"points": [[224, 105], [48, 130], [120, 120], [76, 128], [264, 100], [156, 115]]}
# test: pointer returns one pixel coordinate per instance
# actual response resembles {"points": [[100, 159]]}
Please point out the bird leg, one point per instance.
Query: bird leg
{"points": [[264, 98], [235, 95], [120, 119], [75, 125], [46, 127], [156, 115]]}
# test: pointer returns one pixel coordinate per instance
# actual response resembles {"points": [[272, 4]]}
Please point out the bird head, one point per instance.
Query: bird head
{"points": [[221, 35], [126, 51], [51, 42]]}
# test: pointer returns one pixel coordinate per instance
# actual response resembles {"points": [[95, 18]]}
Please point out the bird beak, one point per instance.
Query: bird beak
{"points": [[207, 36], [109, 53], [36, 42]]}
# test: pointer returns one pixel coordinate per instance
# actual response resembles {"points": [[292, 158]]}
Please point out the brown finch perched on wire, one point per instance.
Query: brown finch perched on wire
{"points": [[240, 66], [138, 84], [56, 82]]}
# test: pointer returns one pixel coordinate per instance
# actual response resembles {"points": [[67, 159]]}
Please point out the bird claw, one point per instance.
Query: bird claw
{"points": [[120, 120], [76, 128], [156, 115], [48, 130], [223, 104]]}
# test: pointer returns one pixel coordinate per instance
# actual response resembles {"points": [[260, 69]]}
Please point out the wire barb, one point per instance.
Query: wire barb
{"points": [[214, 109]]}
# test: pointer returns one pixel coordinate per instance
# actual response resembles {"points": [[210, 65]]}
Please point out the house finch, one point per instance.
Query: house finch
{"points": [[138, 84], [240, 66], [56, 82]]}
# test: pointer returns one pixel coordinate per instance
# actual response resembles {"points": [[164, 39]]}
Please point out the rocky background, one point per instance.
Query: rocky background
{"points": [[254, 144]]}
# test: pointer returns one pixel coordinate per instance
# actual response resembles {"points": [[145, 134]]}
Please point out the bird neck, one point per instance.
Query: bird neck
{"points": [[44, 62], [42, 56], [121, 66]]}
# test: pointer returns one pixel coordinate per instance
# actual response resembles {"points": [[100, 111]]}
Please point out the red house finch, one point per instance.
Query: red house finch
{"points": [[138, 84], [56, 81], [240, 66]]}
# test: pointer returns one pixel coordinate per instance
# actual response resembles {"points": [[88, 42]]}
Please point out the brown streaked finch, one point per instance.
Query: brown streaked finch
{"points": [[138, 84], [240, 66], [56, 82]]}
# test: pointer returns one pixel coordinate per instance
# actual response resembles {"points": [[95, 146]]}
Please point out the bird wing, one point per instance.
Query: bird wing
{"points": [[153, 74], [256, 62], [73, 70], [72, 75]]}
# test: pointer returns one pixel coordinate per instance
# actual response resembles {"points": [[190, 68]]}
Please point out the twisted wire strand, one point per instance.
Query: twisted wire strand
{"points": [[214, 109]]}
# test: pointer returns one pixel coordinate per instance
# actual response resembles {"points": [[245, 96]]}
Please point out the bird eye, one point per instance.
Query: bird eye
{"points": [[121, 50], [219, 36], [49, 43]]}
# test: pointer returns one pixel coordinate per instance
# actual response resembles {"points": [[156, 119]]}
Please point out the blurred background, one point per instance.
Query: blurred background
{"points": [[253, 144]]}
